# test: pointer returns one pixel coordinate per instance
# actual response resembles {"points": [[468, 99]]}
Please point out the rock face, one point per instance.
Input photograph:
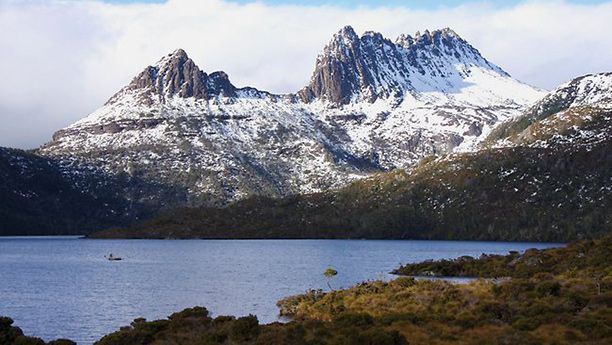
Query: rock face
{"points": [[176, 75], [371, 67], [372, 105]]}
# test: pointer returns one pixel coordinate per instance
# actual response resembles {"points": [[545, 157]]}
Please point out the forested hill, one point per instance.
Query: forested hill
{"points": [[45, 196]]}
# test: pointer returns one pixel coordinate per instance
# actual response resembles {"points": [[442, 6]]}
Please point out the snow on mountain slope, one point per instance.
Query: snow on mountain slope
{"points": [[578, 96], [430, 94], [371, 105], [432, 66]]}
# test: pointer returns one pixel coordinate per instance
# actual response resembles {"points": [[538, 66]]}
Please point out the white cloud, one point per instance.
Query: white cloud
{"points": [[62, 59]]}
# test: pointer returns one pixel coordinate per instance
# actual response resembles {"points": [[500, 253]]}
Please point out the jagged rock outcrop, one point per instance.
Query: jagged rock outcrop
{"points": [[371, 67], [176, 75], [351, 65]]}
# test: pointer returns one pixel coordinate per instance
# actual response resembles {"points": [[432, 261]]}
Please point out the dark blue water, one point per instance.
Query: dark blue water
{"points": [[63, 287]]}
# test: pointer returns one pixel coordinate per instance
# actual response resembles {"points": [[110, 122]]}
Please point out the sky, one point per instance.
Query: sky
{"points": [[429, 4], [62, 59]]}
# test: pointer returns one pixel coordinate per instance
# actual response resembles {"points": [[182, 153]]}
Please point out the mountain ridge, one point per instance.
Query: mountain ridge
{"points": [[591, 90], [371, 66], [553, 185]]}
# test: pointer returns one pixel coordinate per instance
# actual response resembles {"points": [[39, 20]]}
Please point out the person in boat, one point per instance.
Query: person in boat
{"points": [[112, 257]]}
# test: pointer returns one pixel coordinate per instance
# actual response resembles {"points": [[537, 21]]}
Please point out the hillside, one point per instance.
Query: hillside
{"points": [[47, 196], [553, 186], [38, 198], [594, 90]]}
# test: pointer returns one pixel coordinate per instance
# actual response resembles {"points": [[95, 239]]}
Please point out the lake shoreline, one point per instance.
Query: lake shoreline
{"points": [[87, 237], [44, 275], [391, 312]]}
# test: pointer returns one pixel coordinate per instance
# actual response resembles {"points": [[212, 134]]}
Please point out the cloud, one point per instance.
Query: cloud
{"points": [[63, 59]]}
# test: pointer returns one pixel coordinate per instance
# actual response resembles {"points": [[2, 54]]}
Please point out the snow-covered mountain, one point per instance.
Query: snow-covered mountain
{"points": [[370, 67], [548, 178], [371, 105]]}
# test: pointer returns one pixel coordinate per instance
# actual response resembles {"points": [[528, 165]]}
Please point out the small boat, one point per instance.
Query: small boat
{"points": [[111, 257]]}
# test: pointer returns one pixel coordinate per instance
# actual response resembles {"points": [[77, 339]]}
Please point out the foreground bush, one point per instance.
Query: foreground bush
{"points": [[552, 296], [11, 335]]}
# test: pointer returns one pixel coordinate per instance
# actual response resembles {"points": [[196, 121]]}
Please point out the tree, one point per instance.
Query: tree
{"points": [[329, 274]]}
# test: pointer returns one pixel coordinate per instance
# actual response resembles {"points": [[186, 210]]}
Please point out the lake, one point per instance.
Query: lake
{"points": [[64, 287]]}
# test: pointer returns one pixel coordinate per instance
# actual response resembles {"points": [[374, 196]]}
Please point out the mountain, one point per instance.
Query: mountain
{"points": [[550, 181], [371, 67], [372, 105]]}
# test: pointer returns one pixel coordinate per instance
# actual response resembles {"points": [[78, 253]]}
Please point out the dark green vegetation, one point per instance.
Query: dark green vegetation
{"points": [[553, 296], [45, 196], [588, 258], [195, 326], [11, 335], [38, 198], [557, 186]]}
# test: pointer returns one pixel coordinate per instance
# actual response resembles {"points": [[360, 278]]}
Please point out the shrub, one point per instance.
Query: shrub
{"points": [[404, 282], [195, 312], [354, 320], [381, 337], [223, 319], [548, 288], [62, 342], [245, 328]]}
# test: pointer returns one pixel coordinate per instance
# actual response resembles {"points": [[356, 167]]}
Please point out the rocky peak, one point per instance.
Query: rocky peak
{"points": [[219, 84], [372, 67], [177, 55], [351, 65], [176, 75], [436, 37], [404, 40], [347, 33]]}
